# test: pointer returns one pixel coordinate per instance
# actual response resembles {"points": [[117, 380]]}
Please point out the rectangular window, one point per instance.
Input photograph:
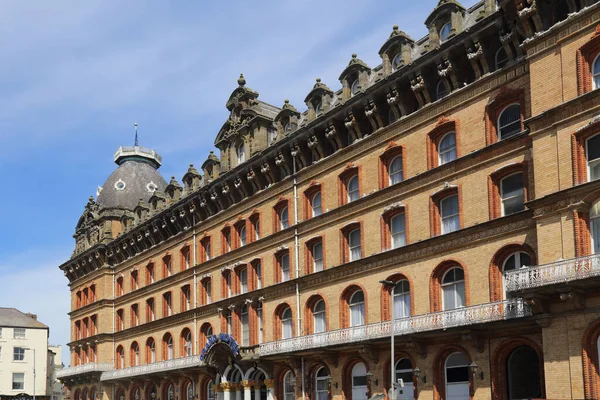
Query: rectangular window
{"points": [[208, 291], [19, 333], [317, 255], [150, 274], [449, 214], [150, 316], [187, 302], [512, 193], [135, 318], [168, 307], [284, 262], [18, 354], [228, 280], [258, 269], [256, 227], [168, 266], [18, 381], [593, 157], [134, 280], [229, 324], [398, 230], [244, 280], [354, 245], [186, 258], [260, 322]]}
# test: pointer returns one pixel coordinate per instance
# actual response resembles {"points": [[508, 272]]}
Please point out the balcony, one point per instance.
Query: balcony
{"points": [[154, 368], [82, 369], [498, 311], [556, 273]]}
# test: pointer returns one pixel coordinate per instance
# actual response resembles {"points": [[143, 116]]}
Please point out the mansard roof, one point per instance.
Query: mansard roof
{"points": [[240, 93], [211, 159], [355, 64], [444, 7]]}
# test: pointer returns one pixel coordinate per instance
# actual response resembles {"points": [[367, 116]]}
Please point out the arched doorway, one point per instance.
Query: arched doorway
{"points": [[523, 374], [359, 382], [260, 390], [457, 377], [404, 371], [151, 392]]}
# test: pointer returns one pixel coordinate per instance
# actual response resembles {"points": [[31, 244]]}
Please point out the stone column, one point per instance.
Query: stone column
{"points": [[257, 386], [247, 389], [270, 384], [218, 392], [227, 388], [238, 391]]}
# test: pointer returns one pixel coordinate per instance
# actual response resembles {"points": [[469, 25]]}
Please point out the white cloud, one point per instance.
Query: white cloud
{"points": [[32, 282]]}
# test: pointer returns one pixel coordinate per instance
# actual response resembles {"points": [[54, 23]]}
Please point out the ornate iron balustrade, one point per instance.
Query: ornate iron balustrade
{"points": [[82, 369], [157, 367], [557, 272], [478, 314]]}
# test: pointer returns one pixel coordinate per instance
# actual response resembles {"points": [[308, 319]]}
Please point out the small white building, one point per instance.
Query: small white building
{"points": [[23, 356], [55, 387]]}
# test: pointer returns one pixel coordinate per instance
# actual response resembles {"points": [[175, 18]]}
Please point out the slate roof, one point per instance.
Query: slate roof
{"points": [[11, 317]]}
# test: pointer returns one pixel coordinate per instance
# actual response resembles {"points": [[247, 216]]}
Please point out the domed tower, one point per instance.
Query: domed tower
{"points": [[134, 181]]}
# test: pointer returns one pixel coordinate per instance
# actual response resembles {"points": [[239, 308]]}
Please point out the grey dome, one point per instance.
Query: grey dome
{"points": [[136, 178]]}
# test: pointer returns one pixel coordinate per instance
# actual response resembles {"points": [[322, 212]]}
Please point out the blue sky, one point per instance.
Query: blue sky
{"points": [[76, 75]]}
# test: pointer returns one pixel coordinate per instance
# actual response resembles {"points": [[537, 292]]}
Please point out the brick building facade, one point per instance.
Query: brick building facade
{"points": [[462, 169]]}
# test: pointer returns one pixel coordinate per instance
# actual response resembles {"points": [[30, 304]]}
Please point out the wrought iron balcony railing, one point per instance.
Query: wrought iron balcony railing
{"points": [[82, 369], [557, 272], [153, 368], [478, 314]]}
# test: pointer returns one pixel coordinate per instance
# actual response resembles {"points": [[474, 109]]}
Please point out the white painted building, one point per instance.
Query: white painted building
{"points": [[55, 387], [22, 339]]}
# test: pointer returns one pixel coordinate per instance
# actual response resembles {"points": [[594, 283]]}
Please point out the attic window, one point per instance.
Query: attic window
{"points": [[319, 108], [273, 133], [354, 87], [397, 62], [120, 185], [445, 31], [151, 187]]}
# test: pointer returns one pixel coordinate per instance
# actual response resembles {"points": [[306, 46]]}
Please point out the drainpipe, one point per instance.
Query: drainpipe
{"points": [[113, 313], [297, 251], [195, 291], [297, 263]]}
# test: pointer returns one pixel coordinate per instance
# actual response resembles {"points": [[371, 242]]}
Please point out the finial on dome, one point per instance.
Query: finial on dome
{"points": [[241, 80], [395, 27], [286, 101], [318, 80], [354, 55], [136, 143]]}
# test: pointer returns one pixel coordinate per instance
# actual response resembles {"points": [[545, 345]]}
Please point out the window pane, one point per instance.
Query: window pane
{"points": [[316, 205], [352, 188], [448, 294], [512, 185], [398, 228], [395, 170], [457, 374], [447, 148], [509, 122], [595, 228]]}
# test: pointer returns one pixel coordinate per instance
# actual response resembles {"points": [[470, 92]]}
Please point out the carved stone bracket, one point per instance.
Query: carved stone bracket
{"points": [[538, 303], [575, 297], [332, 135], [372, 114], [352, 126]]}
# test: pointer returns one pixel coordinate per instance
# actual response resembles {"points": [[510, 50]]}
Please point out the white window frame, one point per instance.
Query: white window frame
{"points": [[396, 61], [352, 254], [322, 376], [22, 386], [590, 164], [354, 194], [501, 127], [354, 87], [242, 234], [241, 153], [208, 290], [397, 239], [288, 382], [446, 25], [319, 314], [402, 296], [284, 222], [452, 149], [503, 200], [245, 325], [317, 261], [441, 90], [496, 62], [244, 280], [19, 333], [284, 264], [352, 304], [316, 206], [595, 84], [20, 352], [445, 217], [287, 331], [399, 172], [453, 285]]}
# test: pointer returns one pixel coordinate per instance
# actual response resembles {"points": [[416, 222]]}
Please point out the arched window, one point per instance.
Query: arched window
{"points": [[242, 233], [319, 317], [288, 386], [359, 382], [404, 371], [512, 194], [315, 203], [449, 213], [120, 357], [523, 374], [398, 230], [283, 218], [319, 109], [592, 155], [441, 90], [241, 153], [501, 58], [189, 391], [457, 376], [596, 72], [322, 384], [354, 87], [445, 31], [354, 245], [286, 323], [397, 61], [509, 121], [187, 347], [453, 289], [210, 390], [150, 351], [135, 354], [402, 299], [595, 227], [170, 392], [516, 260], [395, 170], [168, 347], [245, 325], [317, 256], [447, 148], [357, 308], [352, 188]]}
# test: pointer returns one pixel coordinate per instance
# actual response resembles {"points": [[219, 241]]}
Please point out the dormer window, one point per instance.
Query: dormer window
{"points": [[319, 108], [151, 187], [273, 133], [441, 90], [241, 153], [397, 62], [445, 31], [501, 58], [354, 87], [287, 128]]}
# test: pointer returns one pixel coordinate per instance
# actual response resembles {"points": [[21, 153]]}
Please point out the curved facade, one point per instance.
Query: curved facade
{"points": [[454, 187]]}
